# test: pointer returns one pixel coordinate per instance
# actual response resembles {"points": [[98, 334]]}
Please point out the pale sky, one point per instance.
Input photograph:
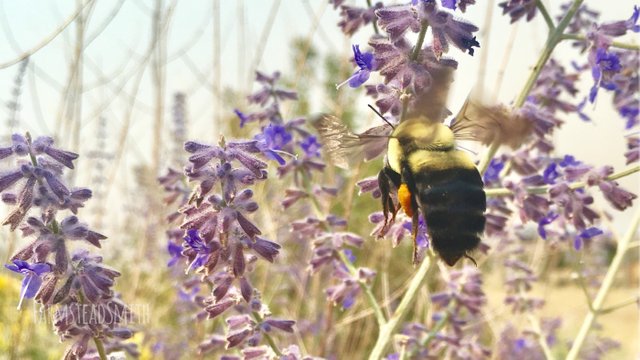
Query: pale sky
{"points": [[124, 40]]}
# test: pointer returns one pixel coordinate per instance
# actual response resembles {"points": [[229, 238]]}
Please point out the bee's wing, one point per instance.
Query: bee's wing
{"points": [[489, 124], [346, 148]]}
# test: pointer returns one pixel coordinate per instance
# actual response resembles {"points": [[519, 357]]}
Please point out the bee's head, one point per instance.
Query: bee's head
{"points": [[424, 133]]}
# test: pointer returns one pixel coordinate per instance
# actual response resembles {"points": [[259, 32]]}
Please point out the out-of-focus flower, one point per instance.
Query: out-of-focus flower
{"points": [[585, 234], [353, 18], [618, 197], [605, 64], [462, 4], [633, 149], [519, 8], [492, 175], [311, 146], [548, 219]]}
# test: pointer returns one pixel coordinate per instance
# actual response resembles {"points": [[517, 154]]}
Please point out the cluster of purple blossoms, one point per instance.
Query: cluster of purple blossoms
{"points": [[517, 9], [329, 242], [526, 343], [279, 137], [216, 237], [459, 312], [79, 285], [615, 70], [408, 69], [219, 240]]}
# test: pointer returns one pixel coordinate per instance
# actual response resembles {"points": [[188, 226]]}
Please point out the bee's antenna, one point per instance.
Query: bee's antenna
{"points": [[381, 117]]}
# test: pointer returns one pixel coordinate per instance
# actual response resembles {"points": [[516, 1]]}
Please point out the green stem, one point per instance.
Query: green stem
{"points": [[373, 22], [423, 32], [413, 57], [542, 341], [100, 348], [545, 15], [619, 306], [584, 289], [439, 325], [616, 44], [596, 307], [572, 186], [554, 38], [380, 318], [387, 330], [272, 343]]}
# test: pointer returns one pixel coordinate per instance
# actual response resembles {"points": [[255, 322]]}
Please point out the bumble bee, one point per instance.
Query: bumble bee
{"points": [[431, 175]]}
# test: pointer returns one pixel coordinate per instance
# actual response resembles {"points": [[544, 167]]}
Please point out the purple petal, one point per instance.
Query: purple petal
{"points": [[30, 285]]}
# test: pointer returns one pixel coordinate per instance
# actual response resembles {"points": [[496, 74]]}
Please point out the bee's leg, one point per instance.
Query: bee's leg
{"points": [[414, 231], [395, 180], [387, 202], [472, 259], [407, 178]]}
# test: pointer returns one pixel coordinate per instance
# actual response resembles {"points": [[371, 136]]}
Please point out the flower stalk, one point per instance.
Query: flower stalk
{"points": [[554, 38], [597, 305], [616, 44], [389, 328], [270, 341], [545, 15], [573, 186], [100, 348], [377, 309]]}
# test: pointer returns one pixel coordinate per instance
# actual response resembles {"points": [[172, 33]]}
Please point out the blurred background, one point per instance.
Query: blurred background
{"points": [[102, 78]]}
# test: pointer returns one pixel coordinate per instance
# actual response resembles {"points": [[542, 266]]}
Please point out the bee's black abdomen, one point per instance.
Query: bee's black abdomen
{"points": [[453, 204]]}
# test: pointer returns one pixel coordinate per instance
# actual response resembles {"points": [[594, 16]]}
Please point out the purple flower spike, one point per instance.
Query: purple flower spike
{"points": [[33, 277]]}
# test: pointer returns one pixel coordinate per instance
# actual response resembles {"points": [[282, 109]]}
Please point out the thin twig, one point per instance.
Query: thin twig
{"points": [[387, 330], [545, 15], [572, 186], [46, 40], [554, 38], [616, 44], [607, 282]]}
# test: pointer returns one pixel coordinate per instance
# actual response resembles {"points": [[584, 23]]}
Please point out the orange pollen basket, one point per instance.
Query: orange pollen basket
{"points": [[404, 197]]}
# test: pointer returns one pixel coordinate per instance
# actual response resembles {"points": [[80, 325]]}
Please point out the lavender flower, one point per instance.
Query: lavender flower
{"points": [[32, 277], [462, 4], [605, 64], [353, 18], [447, 29], [366, 64], [80, 285], [633, 149], [519, 8]]}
